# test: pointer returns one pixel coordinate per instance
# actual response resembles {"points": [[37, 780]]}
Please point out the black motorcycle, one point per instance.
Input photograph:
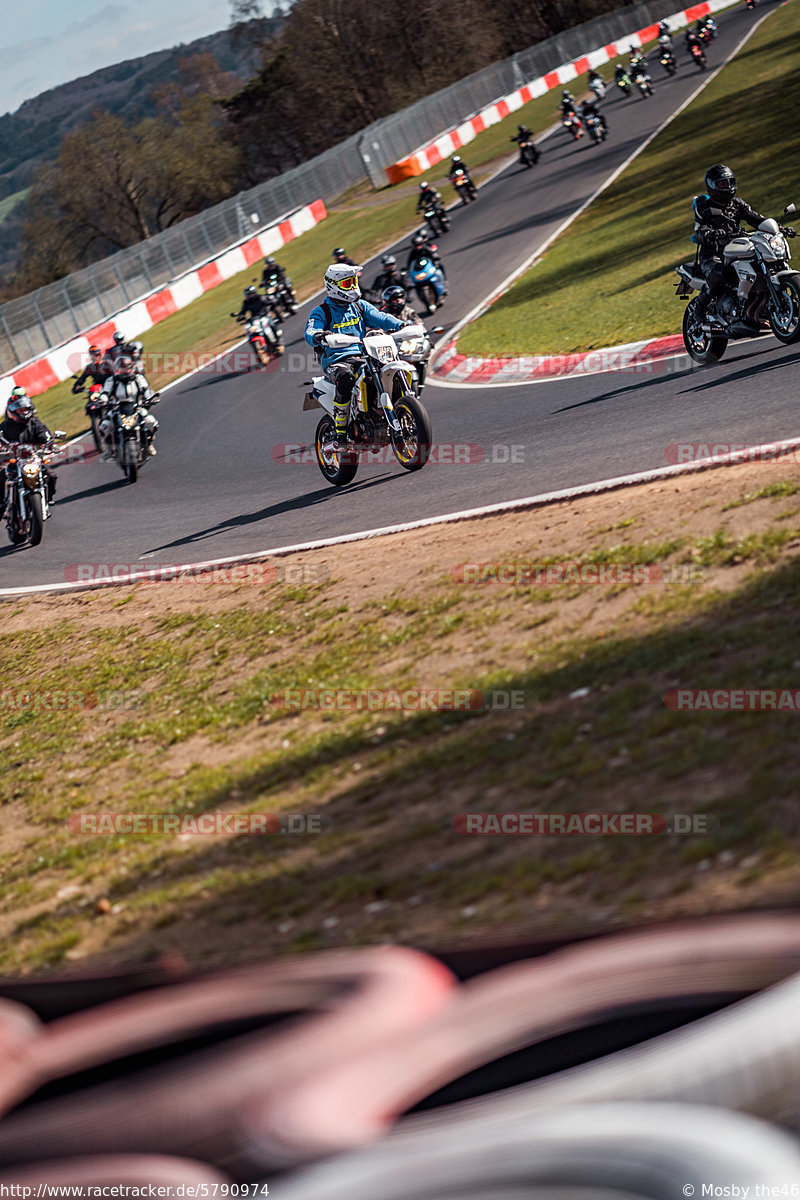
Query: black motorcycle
{"points": [[464, 186], [437, 219], [27, 489], [529, 152], [667, 60]]}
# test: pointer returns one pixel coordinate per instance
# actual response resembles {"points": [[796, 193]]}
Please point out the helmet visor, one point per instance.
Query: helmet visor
{"points": [[724, 185], [348, 284]]}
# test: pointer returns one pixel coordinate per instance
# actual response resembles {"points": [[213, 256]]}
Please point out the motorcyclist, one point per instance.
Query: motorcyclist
{"points": [[589, 108], [523, 134], [343, 311], [422, 245], [22, 425], [116, 350], [253, 305], [567, 104], [390, 276], [394, 301], [97, 369], [116, 388], [664, 30], [274, 273], [339, 256], [457, 165], [718, 213], [620, 72], [428, 197], [596, 83], [637, 65]]}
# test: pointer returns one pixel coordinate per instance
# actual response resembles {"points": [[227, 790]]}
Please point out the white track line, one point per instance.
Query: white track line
{"points": [[537, 254], [770, 450]]}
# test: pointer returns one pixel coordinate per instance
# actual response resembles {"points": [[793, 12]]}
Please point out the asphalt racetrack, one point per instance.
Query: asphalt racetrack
{"points": [[224, 485]]}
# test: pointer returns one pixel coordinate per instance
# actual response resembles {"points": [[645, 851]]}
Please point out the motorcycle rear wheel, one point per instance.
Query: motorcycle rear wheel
{"points": [[788, 330], [337, 468], [412, 446], [704, 348], [36, 519]]}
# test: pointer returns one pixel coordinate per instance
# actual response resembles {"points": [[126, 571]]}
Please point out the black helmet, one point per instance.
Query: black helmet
{"points": [[456, 158], [250, 291], [394, 298], [19, 406], [389, 261], [119, 338], [339, 252], [269, 261], [418, 239], [720, 182]]}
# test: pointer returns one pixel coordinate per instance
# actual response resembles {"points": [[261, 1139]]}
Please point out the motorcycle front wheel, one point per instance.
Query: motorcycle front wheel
{"points": [[36, 519], [412, 446], [785, 324], [15, 535], [338, 468], [703, 348], [131, 461]]}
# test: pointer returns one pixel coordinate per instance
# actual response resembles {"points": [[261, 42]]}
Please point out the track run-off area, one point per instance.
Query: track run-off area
{"points": [[235, 473]]}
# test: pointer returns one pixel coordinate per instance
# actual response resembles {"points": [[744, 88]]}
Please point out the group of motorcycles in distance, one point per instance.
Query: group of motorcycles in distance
{"points": [[575, 117]]}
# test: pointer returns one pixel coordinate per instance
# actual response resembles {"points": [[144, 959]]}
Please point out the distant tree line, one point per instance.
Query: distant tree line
{"points": [[333, 67]]}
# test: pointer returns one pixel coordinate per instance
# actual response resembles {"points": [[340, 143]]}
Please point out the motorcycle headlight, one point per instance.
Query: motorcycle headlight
{"points": [[778, 243], [127, 422], [30, 470], [413, 346]]}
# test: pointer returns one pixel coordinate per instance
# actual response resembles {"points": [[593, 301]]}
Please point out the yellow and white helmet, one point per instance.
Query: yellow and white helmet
{"points": [[341, 283]]}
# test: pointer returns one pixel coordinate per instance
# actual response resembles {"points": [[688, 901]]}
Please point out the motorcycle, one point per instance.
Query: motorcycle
{"points": [[571, 122], [428, 282], [624, 84], [529, 152], [764, 293], [464, 186], [122, 432], [94, 409], [597, 85], [597, 130], [643, 82], [667, 59], [27, 500], [437, 220], [708, 29], [264, 336], [384, 411], [281, 298], [698, 54], [751, 3]]}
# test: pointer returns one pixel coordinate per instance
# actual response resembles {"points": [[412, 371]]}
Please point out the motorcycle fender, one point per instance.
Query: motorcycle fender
{"points": [[785, 271]]}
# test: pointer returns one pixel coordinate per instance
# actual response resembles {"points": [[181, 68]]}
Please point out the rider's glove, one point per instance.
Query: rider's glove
{"points": [[77, 388], [788, 231], [321, 337]]}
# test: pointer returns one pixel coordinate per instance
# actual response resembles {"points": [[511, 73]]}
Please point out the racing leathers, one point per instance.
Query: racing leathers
{"points": [[340, 363], [117, 388], [430, 198], [131, 350], [715, 223]]}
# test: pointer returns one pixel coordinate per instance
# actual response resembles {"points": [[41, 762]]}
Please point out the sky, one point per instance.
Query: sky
{"points": [[47, 42]]}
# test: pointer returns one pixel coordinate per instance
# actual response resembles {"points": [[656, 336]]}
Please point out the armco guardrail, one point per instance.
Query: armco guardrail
{"points": [[31, 325], [58, 364]]}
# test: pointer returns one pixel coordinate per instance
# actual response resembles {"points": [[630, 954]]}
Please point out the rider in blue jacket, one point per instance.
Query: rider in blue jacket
{"points": [[343, 311]]}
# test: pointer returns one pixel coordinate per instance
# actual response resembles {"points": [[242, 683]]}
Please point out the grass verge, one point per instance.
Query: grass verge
{"points": [[618, 257]]}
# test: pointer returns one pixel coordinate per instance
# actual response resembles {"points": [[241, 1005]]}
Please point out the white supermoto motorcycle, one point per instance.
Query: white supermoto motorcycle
{"points": [[761, 292], [384, 410]]}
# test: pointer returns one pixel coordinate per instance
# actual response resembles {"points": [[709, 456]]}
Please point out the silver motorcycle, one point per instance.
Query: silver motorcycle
{"points": [[762, 292]]}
